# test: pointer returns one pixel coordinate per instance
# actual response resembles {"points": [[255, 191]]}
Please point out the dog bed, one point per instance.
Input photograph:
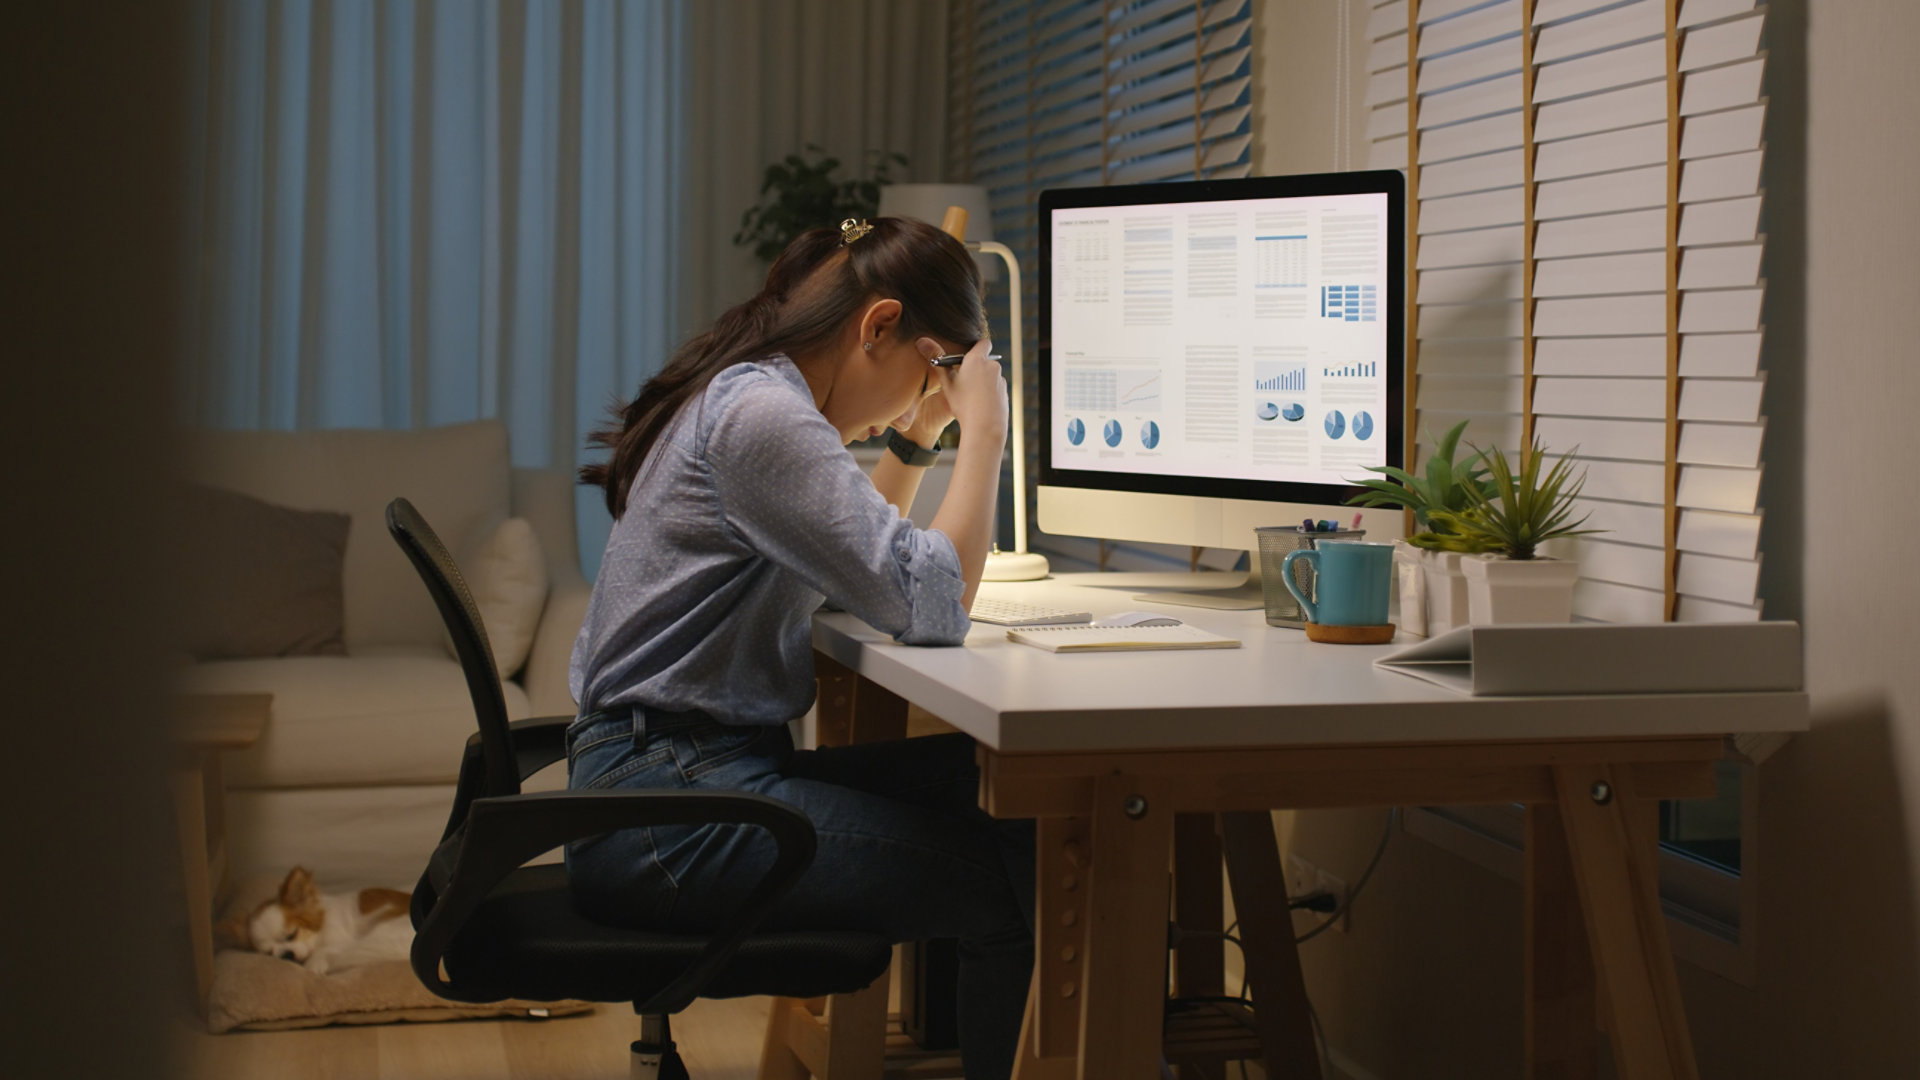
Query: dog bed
{"points": [[255, 992]]}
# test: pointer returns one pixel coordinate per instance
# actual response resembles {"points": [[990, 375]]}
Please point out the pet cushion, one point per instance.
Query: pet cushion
{"points": [[253, 991], [252, 579], [507, 576]]}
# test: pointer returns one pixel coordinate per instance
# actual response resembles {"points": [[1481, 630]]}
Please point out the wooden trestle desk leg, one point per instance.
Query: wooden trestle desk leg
{"points": [[1123, 998], [1199, 964], [850, 1042], [1560, 991], [1615, 859], [1273, 960]]}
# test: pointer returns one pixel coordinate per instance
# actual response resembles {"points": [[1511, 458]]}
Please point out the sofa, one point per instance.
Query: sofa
{"points": [[354, 774]]}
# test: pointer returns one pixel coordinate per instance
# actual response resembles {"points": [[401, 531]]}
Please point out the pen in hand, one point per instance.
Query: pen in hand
{"points": [[953, 359]]}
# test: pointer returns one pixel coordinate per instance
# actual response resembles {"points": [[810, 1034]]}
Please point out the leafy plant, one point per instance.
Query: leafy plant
{"points": [[1522, 511], [800, 192], [1447, 486]]}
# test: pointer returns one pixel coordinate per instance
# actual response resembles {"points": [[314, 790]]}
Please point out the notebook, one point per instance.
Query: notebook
{"points": [[1119, 638]]}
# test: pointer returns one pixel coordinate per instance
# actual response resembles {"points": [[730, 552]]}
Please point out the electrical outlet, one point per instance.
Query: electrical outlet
{"points": [[1304, 877]]}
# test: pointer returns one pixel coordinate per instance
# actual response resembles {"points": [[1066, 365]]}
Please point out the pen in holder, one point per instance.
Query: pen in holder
{"points": [[1275, 543]]}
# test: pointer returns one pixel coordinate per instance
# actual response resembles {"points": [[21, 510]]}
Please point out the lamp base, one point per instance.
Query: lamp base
{"points": [[1015, 566]]}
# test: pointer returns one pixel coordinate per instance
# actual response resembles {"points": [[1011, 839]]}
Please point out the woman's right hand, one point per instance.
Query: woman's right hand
{"points": [[976, 391]]}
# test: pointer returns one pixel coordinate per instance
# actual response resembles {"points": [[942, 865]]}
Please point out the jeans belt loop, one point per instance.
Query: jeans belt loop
{"points": [[639, 728]]}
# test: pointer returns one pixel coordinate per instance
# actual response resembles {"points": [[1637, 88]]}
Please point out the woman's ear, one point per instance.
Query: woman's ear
{"points": [[882, 317]]}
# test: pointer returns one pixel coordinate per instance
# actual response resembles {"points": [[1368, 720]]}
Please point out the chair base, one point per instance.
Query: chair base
{"points": [[653, 1054]]}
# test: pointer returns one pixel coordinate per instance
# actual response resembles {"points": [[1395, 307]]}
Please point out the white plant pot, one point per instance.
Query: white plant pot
{"points": [[1433, 589], [1410, 578], [1505, 591], [1446, 591]]}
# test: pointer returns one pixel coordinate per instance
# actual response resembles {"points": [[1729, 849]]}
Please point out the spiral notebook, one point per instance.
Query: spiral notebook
{"points": [[1119, 638]]}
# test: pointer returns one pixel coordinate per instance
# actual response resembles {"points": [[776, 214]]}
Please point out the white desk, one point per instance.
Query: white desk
{"points": [[1108, 749]]}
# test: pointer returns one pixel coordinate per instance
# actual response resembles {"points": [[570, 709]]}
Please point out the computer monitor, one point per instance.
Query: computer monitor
{"points": [[1219, 355]]}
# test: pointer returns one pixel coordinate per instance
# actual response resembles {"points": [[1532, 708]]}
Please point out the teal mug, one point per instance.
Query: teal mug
{"points": [[1350, 582]]}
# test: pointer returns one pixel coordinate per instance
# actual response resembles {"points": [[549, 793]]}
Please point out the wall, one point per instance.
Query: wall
{"points": [[1427, 984]]}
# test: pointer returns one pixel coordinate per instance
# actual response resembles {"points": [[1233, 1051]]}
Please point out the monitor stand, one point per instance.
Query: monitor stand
{"points": [[1246, 596]]}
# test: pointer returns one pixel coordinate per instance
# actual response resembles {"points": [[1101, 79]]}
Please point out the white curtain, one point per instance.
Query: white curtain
{"points": [[419, 212]]}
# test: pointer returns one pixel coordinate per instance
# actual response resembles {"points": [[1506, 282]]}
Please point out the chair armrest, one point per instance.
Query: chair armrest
{"points": [[503, 833], [538, 742]]}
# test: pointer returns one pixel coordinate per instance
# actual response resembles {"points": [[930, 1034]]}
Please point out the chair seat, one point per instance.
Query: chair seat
{"points": [[527, 941]]}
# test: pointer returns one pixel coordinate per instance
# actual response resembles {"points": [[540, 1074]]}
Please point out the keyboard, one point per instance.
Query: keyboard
{"points": [[1014, 613]]}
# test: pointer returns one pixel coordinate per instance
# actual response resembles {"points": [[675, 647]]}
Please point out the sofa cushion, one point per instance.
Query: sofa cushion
{"points": [[251, 579], [508, 580], [457, 476], [390, 717]]}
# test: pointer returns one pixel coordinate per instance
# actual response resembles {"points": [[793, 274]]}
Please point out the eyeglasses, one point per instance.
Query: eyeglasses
{"points": [[951, 359]]}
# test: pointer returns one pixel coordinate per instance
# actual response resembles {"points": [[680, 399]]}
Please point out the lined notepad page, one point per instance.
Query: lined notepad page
{"points": [[1599, 273]]}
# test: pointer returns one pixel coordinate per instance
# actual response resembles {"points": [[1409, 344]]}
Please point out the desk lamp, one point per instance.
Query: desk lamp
{"points": [[952, 205]]}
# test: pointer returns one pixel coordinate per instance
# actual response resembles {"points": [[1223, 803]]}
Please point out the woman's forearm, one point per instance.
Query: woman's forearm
{"points": [[897, 482], [966, 514]]}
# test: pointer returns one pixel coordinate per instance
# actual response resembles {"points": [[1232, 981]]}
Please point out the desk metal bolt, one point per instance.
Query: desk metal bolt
{"points": [[1602, 793], [1135, 807]]}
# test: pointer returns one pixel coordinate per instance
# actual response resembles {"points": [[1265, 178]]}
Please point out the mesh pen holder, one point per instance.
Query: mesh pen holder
{"points": [[1276, 542]]}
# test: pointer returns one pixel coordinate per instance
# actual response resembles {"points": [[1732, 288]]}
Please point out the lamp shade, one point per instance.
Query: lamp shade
{"points": [[929, 202]]}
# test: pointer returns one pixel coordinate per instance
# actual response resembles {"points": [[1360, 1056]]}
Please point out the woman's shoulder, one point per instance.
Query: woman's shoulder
{"points": [[757, 396]]}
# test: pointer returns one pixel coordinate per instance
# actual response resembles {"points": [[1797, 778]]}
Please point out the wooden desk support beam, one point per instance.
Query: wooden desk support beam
{"points": [[1273, 960], [1126, 955]]}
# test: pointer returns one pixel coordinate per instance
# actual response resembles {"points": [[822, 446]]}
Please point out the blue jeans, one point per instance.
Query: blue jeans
{"points": [[904, 850]]}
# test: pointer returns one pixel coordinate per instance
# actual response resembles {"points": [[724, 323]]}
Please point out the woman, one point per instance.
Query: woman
{"points": [[738, 510]]}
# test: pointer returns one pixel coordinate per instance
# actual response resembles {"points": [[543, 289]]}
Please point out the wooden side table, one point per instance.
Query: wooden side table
{"points": [[205, 726]]}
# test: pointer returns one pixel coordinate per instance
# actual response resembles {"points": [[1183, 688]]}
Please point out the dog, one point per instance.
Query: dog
{"points": [[325, 932]]}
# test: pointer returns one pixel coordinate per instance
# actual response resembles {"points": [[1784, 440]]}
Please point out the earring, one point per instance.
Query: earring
{"points": [[867, 346]]}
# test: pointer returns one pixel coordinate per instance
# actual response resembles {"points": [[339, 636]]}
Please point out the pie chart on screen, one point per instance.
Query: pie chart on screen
{"points": [[1336, 424], [1149, 434], [1111, 433], [1362, 426], [1076, 431]]}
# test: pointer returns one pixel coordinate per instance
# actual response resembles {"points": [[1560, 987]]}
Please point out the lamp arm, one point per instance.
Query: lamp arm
{"points": [[1019, 423]]}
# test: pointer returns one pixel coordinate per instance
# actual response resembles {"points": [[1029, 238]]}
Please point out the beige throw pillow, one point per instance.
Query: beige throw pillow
{"points": [[508, 579]]}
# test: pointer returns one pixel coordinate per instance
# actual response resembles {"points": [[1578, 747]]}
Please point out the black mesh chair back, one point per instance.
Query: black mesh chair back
{"points": [[462, 617]]}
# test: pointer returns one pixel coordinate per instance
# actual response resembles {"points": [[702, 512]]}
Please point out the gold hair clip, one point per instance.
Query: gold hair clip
{"points": [[851, 230]]}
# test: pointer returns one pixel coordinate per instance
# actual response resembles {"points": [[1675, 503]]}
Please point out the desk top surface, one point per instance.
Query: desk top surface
{"points": [[1277, 689]]}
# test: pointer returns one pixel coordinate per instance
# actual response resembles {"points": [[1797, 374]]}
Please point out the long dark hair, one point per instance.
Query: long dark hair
{"points": [[813, 288]]}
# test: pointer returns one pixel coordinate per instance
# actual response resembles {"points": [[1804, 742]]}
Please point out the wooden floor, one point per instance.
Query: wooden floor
{"points": [[720, 1040]]}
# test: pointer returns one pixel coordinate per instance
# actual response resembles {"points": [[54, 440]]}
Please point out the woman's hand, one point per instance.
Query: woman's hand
{"points": [[973, 392], [935, 413]]}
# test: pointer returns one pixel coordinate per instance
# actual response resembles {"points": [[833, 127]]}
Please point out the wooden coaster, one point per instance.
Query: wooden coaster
{"points": [[1349, 635]]}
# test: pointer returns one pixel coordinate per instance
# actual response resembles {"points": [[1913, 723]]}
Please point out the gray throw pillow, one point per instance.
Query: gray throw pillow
{"points": [[251, 579]]}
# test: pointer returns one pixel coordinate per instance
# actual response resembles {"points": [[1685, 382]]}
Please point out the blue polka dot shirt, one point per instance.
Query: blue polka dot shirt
{"points": [[747, 513]]}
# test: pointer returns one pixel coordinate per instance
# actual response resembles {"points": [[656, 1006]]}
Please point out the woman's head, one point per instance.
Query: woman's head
{"points": [[858, 314]]}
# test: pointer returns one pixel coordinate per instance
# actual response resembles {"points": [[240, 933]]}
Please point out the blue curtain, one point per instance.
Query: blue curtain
{"points": [[413, 213]]}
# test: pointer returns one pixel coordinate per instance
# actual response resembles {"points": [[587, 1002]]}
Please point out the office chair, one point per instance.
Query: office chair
{"points": [[488, 927]]}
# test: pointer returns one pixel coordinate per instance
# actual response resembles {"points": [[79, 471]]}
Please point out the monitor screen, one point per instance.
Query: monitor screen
{"points": [[1237, 338]]}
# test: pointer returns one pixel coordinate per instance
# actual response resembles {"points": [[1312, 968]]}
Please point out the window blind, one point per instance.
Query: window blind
{"points": [[1587, 266], [1075, 93]]}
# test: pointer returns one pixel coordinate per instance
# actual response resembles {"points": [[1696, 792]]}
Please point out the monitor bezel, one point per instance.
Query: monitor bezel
{"points": [[1388, 182]]}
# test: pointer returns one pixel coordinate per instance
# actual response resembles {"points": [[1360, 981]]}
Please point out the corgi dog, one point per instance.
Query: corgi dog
{"points": [[325, 931]]}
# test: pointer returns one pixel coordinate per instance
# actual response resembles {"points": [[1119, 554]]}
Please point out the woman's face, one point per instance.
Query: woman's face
{"points": [[884, 378]]}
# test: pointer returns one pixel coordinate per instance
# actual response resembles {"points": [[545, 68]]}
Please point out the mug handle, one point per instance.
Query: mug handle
{"points": [[1286, 578]]}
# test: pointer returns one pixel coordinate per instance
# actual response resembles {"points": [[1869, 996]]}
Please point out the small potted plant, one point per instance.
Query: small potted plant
{"points": [[1433, 588], [1501, 530]]}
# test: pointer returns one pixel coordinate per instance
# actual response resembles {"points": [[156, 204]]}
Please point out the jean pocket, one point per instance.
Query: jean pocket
{"points": [[654, 769], [699, 751]]}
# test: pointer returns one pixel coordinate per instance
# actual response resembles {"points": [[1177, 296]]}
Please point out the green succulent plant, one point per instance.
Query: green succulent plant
{"points": [[1448, 486], [800, 192], [1519, 511]]}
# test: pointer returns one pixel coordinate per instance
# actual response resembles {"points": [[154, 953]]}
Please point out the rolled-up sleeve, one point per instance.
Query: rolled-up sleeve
{"points": [[790, 491]]}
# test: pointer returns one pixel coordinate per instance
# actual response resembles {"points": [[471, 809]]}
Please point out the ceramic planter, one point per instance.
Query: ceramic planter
{"points": [[1433, 589], [1503, 591]]}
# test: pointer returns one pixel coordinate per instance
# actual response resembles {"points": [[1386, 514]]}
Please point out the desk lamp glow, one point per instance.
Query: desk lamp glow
{"points": [[952, 205]]}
